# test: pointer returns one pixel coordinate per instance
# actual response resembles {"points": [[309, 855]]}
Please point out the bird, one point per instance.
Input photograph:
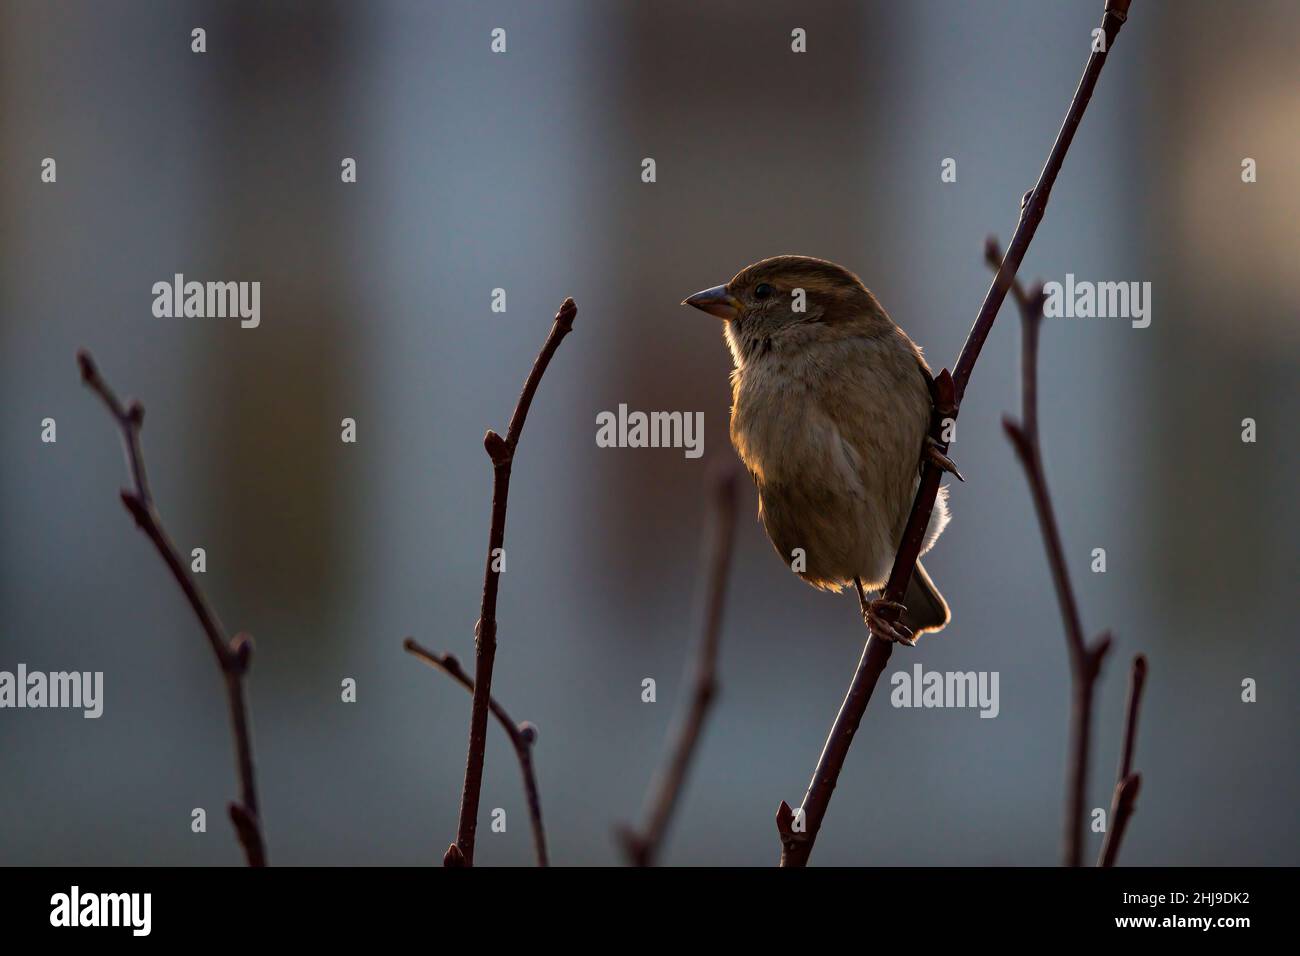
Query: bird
{"points": [[831, 410]]}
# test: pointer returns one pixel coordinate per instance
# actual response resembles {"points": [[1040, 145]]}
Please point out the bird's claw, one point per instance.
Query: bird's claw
{"points": [[881, 626], [936, 457]]}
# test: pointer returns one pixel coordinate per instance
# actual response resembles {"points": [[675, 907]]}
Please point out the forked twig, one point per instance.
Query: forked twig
{"points": [[232, 655], [798, 831], [1085, 659], [642, 846], [1127, 784], [502, 452], [522, 737]]}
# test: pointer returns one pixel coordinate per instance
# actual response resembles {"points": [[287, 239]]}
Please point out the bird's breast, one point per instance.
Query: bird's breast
{"points": [[841, 423], [786, 436]]}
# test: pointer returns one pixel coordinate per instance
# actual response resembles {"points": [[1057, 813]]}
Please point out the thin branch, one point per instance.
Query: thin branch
{"points": [[642, 846], [1127, 783], [798, 831], [1085, 660], [522, 737], [233, 656], [502, 452]]}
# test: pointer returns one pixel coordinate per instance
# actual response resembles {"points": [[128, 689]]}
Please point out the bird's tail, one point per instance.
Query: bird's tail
{"points": [[926, 608]]}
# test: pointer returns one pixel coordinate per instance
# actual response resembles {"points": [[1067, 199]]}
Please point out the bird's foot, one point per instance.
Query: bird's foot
{"points": [[881, 626], [936, 457]]}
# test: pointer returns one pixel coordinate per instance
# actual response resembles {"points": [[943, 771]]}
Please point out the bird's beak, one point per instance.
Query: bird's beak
{"points": [[716, 301]]}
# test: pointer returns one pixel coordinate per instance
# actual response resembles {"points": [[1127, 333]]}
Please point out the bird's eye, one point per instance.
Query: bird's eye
{"points": [[763, 291]]}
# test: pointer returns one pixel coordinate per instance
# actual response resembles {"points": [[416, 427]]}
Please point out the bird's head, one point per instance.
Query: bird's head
{"points": [[791, 302]]}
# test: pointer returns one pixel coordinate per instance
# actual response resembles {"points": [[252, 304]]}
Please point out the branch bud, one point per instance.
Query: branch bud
{"points": [[240, 652], [497, 448], [454, 858]]}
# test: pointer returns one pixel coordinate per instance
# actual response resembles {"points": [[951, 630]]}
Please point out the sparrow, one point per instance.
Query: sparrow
{"points": [[831, 409]]}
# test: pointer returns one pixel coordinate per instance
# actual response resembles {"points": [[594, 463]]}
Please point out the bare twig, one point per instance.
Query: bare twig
{"points": [[1085, 659], [1127, 784], [232, 655], [522, 737], [502, 452], [798, 831], [643, 846]]}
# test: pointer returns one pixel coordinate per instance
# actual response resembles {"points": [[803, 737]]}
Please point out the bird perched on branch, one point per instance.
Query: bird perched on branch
{"points": [[830, 413]]}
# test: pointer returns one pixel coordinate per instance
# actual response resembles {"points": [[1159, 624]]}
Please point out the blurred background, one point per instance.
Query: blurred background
{"points": [[522, 171]]}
